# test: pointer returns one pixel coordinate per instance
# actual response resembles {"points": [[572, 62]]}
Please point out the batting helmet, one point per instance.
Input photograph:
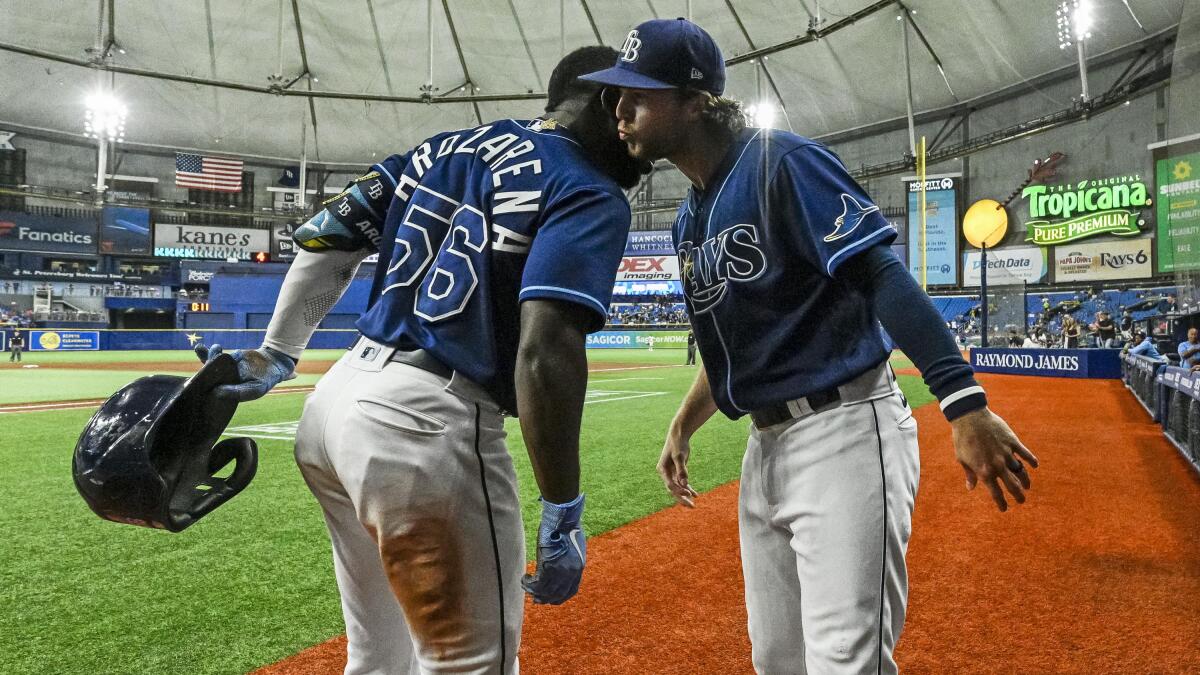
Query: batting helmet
{"points": [[147, 456]]}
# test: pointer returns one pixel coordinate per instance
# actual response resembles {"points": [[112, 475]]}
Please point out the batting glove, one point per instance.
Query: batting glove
{"points": [[561, 553], [259, 369]]}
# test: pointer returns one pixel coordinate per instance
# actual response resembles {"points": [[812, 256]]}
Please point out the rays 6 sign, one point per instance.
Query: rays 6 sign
{"points": [[1129, 259]]}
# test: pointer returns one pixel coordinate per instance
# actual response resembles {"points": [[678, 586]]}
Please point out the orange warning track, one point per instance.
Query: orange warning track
{"points": [[1099, 572]]}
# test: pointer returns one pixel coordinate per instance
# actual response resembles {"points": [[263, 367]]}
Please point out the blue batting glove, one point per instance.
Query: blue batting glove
{"points": [[561, 553], [259, 370]]}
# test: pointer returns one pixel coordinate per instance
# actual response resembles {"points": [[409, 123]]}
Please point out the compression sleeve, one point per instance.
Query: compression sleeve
{"points": [[313, 285], [912, 321]]}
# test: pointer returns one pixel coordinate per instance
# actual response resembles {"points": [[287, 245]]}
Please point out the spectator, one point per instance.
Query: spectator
{"points": [[1142, 345], [1189, 351], [1106, 331], [1014, 339], [1127, 323], [1167, 304], [1031, 342], [1071, 333]]}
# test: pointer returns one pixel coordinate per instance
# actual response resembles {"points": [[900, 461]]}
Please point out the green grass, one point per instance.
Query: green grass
{"points": [[46, 384], [253, 582]]}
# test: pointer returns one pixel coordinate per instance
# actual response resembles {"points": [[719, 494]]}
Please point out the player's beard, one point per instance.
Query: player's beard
{"points": [[609, 154]]}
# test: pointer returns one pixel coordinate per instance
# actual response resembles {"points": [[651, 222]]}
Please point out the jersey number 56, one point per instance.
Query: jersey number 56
{"points": [[459, 231]]}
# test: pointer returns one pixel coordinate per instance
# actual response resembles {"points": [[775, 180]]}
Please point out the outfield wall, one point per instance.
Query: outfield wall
{"points": [[45, 340]]}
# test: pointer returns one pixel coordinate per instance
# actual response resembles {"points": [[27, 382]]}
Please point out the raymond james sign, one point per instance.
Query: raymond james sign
{"points": [[199, 241], [1089, 363], [1062, 213]]}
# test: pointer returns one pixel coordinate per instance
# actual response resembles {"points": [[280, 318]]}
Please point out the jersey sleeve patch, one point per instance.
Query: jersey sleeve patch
{"points": [[830, 214], [577, 249]]}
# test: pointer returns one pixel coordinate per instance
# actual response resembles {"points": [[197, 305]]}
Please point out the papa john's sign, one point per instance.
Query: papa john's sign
{"points": [[1062, 213], [649, 268]]}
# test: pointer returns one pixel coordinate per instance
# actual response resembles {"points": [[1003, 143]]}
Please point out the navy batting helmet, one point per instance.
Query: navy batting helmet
{"points": [[147, 456]]}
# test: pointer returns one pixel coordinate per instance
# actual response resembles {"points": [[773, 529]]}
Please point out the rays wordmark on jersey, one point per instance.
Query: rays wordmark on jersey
{"points": [[732, 256]]}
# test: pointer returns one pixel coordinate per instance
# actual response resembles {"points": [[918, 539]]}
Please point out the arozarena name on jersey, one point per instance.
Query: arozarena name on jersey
{"points": [[496, 153], [1040, 362], [731, 256]]}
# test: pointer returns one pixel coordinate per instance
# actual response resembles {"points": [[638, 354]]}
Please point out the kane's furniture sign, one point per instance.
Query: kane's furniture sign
{"points": [[1063, 213], [1178, 212], [1115, 259], [216, 243], [1006, 266], [1083, 363]]}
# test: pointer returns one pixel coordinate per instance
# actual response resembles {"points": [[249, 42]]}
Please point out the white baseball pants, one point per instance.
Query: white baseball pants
{"points": [[420, 498], [825, 513]]}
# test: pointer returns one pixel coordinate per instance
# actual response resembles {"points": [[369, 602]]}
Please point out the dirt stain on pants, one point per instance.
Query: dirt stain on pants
{"points": [[425, 568]]}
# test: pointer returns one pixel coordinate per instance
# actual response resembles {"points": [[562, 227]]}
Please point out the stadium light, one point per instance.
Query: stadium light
{"points": [[1075, 19], [105, 116], [761, 115]]}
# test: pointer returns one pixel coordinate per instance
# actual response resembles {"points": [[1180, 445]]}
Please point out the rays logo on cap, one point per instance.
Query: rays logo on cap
{"points": [[631, 48]]}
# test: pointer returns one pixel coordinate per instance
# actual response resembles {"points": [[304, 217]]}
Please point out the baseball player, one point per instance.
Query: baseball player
{"points": [[787, 277], [691, 349], [16, 345], [497, 255]]}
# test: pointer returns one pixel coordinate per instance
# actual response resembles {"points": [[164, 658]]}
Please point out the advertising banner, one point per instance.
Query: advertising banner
{"points": [[649, 243], [125, 230], [1072, 211], [1084, 363], [649, 268], [1006, 266], [63, 340], [1114, 259], [282, 246], [941, 230], [205, 242], [27, 232], [637, 339], [197, 272], [1178, 210]]}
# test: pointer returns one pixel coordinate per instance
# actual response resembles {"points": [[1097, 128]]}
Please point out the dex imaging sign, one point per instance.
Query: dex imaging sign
{"points": [[217, 243]]}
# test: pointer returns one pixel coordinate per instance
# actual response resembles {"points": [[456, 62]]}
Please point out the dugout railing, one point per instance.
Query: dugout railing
{"points": [[1172, 396]]}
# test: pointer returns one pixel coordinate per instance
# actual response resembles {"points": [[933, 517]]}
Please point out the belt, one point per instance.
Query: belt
{"points": [[419, 358], [789, 410]]}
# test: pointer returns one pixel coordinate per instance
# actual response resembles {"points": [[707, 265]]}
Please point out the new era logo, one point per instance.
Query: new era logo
{"points": [[696, 74]]}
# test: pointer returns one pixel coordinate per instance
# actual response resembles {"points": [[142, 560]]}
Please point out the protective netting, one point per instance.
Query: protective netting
{"points": [[1007, 319]]}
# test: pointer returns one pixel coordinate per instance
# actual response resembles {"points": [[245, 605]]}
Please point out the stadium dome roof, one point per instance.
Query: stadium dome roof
{"points": [[245, 77]]}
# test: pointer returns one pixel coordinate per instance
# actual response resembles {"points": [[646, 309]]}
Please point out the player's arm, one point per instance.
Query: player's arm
{"points": [[697, 408], [985, 445], [551, 379], [333, 243]]}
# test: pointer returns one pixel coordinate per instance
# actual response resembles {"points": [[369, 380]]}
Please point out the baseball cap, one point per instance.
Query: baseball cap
{"points": [[666, 54]]}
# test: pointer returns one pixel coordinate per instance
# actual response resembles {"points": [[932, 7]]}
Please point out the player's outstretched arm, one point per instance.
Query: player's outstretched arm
{"points": [[551, 380], [697, 407], [985, 446]]}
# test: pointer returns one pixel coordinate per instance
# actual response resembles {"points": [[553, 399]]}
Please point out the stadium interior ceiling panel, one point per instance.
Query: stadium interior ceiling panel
{"points": [[379, 49]]}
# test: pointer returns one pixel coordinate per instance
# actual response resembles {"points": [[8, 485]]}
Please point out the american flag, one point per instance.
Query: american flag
{"points": [[208, 173]]}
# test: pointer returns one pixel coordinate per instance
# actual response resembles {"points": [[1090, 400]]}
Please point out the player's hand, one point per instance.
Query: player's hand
{"points": [[991, 453], [258, 369], [561, 554], [672, 467]]}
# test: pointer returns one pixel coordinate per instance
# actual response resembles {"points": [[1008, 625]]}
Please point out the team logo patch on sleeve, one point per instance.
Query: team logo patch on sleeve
{"points": [[852, 216]]}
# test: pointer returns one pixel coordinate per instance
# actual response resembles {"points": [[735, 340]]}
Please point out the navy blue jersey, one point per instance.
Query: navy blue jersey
{"points": [[758, 251], [483, 219]]}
